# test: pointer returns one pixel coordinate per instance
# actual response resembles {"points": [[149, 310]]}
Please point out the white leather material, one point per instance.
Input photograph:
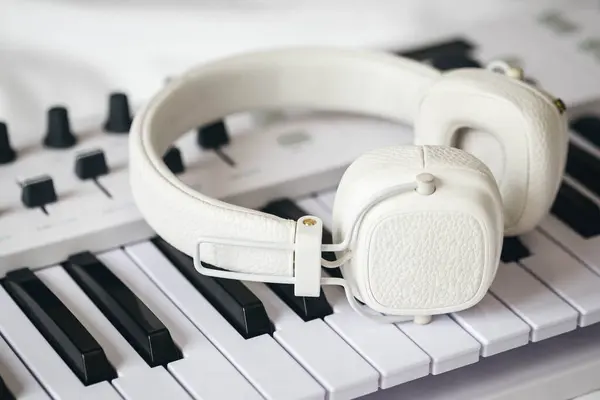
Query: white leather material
{"points": [[416, 254], [364, 82], [531, 131]]}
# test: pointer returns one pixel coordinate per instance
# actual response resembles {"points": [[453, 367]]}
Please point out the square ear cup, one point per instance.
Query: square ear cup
{"points": [[420, 254]]}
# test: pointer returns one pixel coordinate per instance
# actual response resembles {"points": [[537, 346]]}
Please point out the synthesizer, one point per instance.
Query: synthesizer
{"points": [[95, 305]]}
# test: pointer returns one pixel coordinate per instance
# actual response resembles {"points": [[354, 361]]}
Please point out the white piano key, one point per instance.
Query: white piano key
{"points": [[261, 359], [397, 358], [448, 345], [45, 364], [561, 368], [326, 198], [572, 281], [543, 310], [150, 383], [496, 327], [136, 380], [585, 250], [17, 377], [319, 349], [204, 371], [314, 207]]}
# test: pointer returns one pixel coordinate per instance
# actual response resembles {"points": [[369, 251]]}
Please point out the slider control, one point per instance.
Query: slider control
{"points": [[90, 164], [58, 133], [38, 192], [7, 153], [119, 115], [173, 160], [213, 137]]}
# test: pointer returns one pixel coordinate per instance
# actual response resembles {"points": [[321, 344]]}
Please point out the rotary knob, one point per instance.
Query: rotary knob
{"points": [[7, 153], [119, 115], [58, 133]]}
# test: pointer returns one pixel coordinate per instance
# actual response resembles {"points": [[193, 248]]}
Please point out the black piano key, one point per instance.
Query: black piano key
{"points": [[454, 61], [584, 167], [5, 393], [452, 46], [513, 250], [307, 308], [577, 211], [69, 338], [132, 318], [588, 126], [231, 298]]}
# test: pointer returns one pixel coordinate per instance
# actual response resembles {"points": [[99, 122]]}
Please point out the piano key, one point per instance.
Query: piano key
{"points": [[314, 206], [395, 357], [69, 338], [452, 46], [5, 393], [576, 210], [267, 366], [327, 198], [17, 378], [203, 370], [308, 308], [543, 310], [496, 327], [456, 350], [585, 250], [136, 380], [41, 359], [132, 318], [572, 281], [588, 126], [513, 250], [231, 298], [343, 372], [584, 167]]}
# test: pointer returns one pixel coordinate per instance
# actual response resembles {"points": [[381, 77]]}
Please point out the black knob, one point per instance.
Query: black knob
{"points": [[173, 160], [213, 136], [90, 164], [119, 115], [58, 134], [7, 153], [37, 192]]}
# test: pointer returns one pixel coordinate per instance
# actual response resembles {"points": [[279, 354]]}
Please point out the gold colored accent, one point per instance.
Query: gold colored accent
{"points": [[560, 105], [309, 222]]}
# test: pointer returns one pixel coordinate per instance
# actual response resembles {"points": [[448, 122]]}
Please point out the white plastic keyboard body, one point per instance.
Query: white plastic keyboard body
{"points": [[535, 336]]}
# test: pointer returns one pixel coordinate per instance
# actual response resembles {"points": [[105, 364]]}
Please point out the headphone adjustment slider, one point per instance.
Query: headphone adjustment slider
{"points": [[307, 256]]}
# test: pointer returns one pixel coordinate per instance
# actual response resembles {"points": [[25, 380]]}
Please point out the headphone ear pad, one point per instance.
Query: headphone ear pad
{"points": [[516, 129], [417, 254]]}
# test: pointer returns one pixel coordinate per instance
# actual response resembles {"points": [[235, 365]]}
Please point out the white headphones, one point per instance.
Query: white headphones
{"points": [[418, 229]]}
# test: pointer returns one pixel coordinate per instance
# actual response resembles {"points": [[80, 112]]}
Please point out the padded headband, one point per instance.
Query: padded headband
{"points": [[369, 83]]}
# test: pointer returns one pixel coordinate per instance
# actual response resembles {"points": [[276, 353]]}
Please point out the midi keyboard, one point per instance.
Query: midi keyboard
{"points": [[95, 305]]}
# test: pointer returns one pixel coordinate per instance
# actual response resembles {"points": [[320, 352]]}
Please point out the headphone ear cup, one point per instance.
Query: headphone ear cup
{"points": [[419, 253], [516, 129]]}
